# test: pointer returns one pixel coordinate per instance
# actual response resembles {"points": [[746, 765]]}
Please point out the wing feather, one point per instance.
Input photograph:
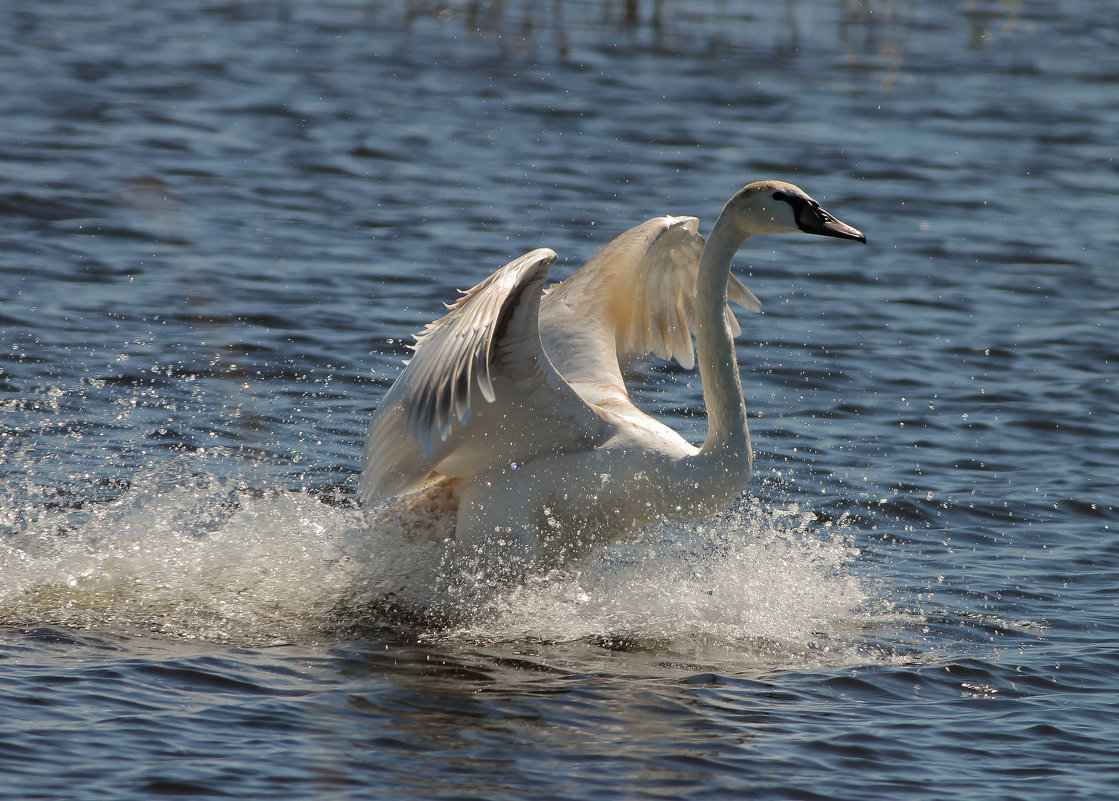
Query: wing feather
{"points": [[432, 420], [634, 297]]}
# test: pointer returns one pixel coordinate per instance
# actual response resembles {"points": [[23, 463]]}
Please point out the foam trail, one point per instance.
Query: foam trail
{"points": [[201, 557], [188, 552], [767, 582]]}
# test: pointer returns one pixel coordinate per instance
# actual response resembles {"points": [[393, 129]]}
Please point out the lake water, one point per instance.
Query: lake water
{"points": [[222, 224]]}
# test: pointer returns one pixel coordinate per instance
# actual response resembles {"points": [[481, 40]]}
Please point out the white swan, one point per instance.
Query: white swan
{"points": [[511, 430]]}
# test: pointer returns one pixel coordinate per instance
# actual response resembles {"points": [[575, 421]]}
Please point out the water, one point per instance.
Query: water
{"points": [[224, 221]]}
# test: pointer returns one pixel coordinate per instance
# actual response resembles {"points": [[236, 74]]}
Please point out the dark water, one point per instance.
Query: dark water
{"points": [[222, 221]]}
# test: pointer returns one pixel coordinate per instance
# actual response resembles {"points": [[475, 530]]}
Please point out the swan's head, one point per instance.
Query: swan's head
{"points": [[776, 207]]}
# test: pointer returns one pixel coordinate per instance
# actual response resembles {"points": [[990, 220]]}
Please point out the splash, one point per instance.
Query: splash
{"points": [[190, 551], [184, 552], [770, 582]]}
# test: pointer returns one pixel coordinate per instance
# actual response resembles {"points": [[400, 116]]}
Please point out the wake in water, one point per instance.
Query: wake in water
{"points": [[187, 551]]}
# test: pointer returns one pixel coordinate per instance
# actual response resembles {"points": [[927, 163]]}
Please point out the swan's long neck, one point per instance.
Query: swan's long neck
{"points": [[727, 435]]}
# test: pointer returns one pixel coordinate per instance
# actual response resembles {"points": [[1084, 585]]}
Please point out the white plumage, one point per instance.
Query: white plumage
{"points": [[511, 423]]}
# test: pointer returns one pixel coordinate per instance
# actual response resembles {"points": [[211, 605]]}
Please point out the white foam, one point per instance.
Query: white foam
{"points": [[181, 552], [767, 582], [193, 553]]}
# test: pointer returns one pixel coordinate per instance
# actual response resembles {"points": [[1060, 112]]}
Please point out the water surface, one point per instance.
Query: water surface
{"points": [[223, 222]]}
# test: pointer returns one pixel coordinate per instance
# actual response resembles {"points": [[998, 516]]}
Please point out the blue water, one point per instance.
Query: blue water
{"points": [[222, 224]]}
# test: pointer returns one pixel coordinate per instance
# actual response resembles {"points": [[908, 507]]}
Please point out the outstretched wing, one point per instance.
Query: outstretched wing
{"points": [[635, 296], [479, 392]]}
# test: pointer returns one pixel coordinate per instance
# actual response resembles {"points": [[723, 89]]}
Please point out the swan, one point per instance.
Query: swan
{"points": [[510, 429]]}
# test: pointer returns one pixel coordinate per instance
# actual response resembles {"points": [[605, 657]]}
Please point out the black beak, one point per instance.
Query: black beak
{"points": [[814, 220]]}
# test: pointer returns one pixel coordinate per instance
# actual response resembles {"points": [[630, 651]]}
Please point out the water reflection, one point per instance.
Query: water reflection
{"points": [[870, 34]]}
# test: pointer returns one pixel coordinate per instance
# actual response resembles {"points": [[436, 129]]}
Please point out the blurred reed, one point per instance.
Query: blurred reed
{"points": [[868, 27]]}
